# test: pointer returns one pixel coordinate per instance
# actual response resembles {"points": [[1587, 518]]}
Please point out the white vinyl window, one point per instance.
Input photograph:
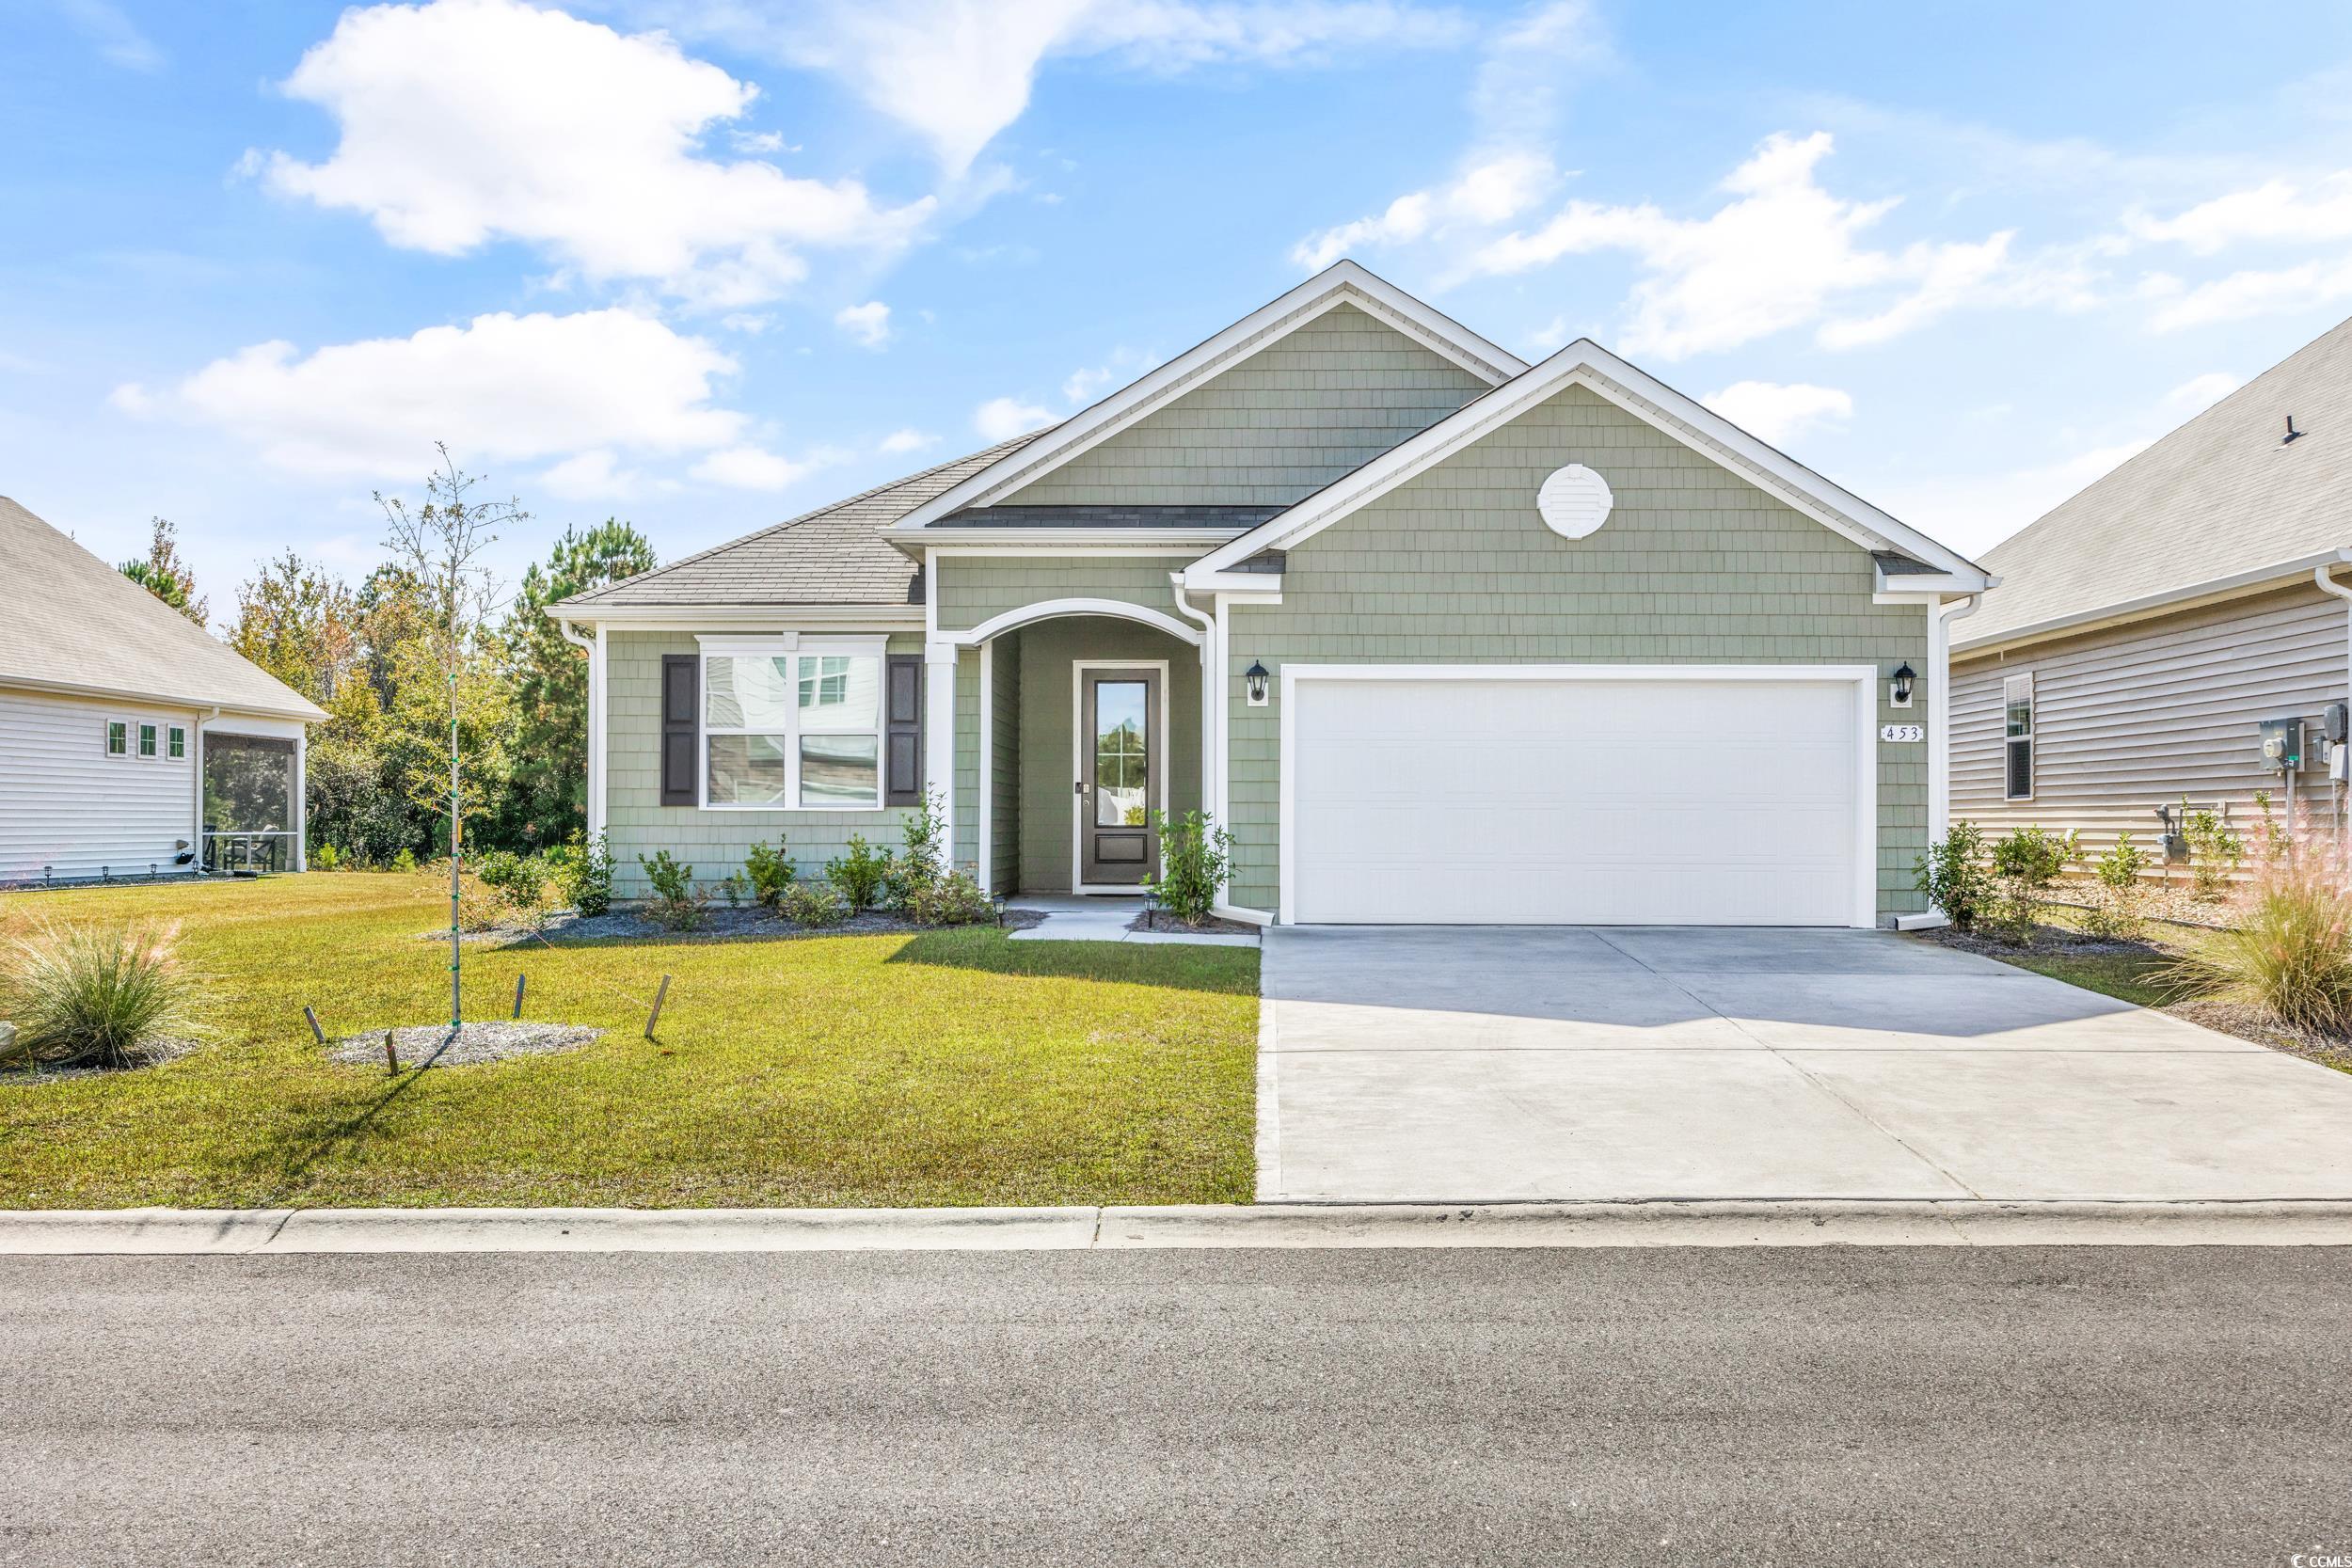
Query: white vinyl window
{"points": [[792, 726], [118, 738], [176, 743], [2017, 737], [147, 740]]}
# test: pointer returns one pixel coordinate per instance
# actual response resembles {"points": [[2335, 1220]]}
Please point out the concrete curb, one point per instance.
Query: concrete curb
{"points": [[271, 1231]]}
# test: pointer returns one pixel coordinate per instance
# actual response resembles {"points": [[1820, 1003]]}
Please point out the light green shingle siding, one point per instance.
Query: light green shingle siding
{"points": [[713, 842], [1004, 782], [1694, 566], [973, 589], [1278, 426]]}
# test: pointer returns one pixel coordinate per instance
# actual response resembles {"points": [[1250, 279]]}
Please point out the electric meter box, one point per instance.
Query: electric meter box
{"points": [[2283, 742]]}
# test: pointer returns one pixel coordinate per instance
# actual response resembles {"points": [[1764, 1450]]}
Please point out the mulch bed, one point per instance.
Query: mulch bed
{"points": [[2046, 938], [1160, 920], [23, 1067], [475, 1043], [719, 924]]}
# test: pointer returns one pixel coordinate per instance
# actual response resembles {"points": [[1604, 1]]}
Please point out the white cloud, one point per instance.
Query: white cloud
{"points": [[467, 121], [2241, 294], [1485, 194], [2276, 210], [868, 323], [959, 71], [1082, 387], [501, 386], [2200, 392], [1976, 512], [1002, 418], [902, 441], [117, 37], [595, 475], [749, 467], [1776, 411]]}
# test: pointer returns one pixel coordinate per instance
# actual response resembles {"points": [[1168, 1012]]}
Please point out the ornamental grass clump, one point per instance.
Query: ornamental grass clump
{"points": [[2288, 948], [98, 995]]}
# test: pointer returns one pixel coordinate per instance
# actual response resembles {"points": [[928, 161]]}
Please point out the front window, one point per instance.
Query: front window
{"points": [[794, 728], [2017, 737], [147, 740]]}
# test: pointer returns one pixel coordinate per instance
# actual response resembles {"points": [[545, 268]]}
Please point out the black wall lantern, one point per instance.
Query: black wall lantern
{"points": [[1904, 678], [1257, 675]]}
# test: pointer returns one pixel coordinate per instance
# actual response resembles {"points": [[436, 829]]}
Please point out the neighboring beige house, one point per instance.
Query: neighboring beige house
{"points": [[132, 743], [2145, 628], [1437, 635]]}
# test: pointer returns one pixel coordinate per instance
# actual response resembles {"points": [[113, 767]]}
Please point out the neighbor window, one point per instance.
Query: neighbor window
{"points": [[2017, 737], [118, 738], [147, 740], [176, 743], [796, 728]]}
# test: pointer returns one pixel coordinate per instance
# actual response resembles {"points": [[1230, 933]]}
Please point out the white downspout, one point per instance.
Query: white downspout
{"points": [[1212, 695], [196, 762], [2329, 585], [1940, 710], [595, 719]]}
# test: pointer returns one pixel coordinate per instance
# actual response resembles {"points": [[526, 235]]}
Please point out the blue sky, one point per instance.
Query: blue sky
{"points": [[704, 266]]}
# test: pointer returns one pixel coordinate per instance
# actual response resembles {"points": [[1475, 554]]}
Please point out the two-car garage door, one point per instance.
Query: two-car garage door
{"points": [[1487, 796]]}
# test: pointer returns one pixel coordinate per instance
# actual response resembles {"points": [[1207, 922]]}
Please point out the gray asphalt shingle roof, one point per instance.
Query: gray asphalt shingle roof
{"points": [[2221, 496], [831, 556], [68, 621]]}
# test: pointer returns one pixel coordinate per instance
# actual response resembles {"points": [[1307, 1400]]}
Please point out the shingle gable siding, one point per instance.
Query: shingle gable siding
{"points": [[974, 589], [1314, 404], [1694, 566]]}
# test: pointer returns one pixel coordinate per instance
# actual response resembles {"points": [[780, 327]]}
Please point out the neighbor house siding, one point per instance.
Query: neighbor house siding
{"points": [[2131, 717], [712, 842], [1694, 566], [1276, 427], [67, 806], [973, 589], [1048, 733]]}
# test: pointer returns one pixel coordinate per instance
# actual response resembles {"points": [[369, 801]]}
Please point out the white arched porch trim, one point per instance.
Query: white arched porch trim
{"points": [[1046, 610]]}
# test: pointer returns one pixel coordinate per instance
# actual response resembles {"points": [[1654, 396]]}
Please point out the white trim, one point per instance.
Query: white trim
{"points": [[1160, 762], [156, 699], [1062, 541], [750, 619], [1341, 284], [1212, 729], [597, 721], [986, 805], [1940, 619], [2032, 737], [1586, 363], [1046, 610], [788, 643], [1862, 678], [940, 669], [2166, 602]]}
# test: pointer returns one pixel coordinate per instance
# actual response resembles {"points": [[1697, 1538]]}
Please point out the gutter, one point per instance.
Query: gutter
{"points": [[2189, 597], [160, 699], [720, 617]]}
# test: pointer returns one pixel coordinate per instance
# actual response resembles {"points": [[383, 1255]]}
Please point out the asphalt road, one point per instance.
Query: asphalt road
{"points": [[1806, 1407]]}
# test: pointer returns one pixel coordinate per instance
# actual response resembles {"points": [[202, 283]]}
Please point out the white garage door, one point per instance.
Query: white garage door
{"points": [[1678, 800]]}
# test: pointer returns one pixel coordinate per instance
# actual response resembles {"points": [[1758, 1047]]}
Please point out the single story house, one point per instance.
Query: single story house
{"points": [[1437, 635], [2147, 628], [132, 743]]}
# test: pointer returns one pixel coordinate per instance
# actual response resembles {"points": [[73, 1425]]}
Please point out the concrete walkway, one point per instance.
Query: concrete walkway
{"points": [[1425, 1064], [1073, 917]]}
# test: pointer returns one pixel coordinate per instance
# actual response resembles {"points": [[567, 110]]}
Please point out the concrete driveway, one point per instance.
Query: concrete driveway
{"points": [[1463, 1063]]}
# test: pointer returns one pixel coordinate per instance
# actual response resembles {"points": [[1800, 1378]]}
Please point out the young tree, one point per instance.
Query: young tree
{"points": [[299, 623], [166, 575], [547, 796], [440, 546]]}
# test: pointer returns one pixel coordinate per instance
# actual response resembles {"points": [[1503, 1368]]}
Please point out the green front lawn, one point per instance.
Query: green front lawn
{"points": [[946, 1067]]}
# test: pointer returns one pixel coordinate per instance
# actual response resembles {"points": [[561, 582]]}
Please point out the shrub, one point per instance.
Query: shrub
{"points": [[94, 996], [1193, 860], [951, 899], [770, 872], [2213, 851], [519, 881], [2289, 950], [2115, 902], [1954, 877], [584, 872], [2027, 862], [860, 875], [814, 905], [917, 866], [734, 887], [326, 857], [406, 860], [677, 904]]}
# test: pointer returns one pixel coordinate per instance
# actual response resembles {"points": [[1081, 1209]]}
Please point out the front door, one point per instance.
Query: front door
{"points": [[1119, 775]]}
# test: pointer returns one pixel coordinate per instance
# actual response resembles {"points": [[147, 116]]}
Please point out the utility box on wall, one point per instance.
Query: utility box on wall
{"points": [[2283, 743]]}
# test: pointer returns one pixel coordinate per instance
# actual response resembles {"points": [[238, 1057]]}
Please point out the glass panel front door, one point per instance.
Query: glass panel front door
{"points": [[1119, 728]]}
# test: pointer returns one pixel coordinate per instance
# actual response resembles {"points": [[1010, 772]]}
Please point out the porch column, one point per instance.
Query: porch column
{"points": [[939, 734], [299, 806]]}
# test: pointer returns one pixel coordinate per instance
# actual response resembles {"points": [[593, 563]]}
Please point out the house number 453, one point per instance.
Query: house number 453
{"points": [[1902, 732]]}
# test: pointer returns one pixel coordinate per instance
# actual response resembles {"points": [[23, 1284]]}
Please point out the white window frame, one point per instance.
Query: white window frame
{"points": [[2031, 739], [790, 645], [151, 741], [112, 725], [175, 742]]}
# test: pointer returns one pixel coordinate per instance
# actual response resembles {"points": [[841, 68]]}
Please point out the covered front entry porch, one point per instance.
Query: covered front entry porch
{"points": [[1073, 731]]}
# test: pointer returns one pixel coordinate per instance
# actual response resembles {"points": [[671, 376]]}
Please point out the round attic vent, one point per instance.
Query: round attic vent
{"points": [[1574, 501]]}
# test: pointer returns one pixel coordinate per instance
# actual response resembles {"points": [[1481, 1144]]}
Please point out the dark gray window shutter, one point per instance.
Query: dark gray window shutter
{"points": [[681, 677], [902, 782]]}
